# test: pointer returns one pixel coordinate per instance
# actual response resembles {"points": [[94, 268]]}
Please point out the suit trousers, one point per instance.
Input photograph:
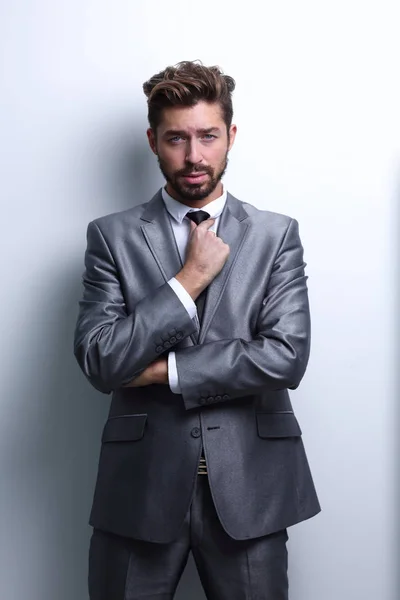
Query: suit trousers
{"points": [[127, 569]]}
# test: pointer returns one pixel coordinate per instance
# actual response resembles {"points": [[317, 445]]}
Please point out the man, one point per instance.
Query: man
{"points": [[195, 316]]}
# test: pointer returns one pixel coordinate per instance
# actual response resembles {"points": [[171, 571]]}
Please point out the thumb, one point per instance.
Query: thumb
{"points": [[207, 223]]}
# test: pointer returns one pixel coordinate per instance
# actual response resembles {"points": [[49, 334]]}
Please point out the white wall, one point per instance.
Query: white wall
{"points": [[317, 106]]}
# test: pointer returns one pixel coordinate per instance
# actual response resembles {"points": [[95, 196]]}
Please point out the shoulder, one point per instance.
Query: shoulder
{"points": [[258, 217], [269, 228], [266, 216], [120, 219]]}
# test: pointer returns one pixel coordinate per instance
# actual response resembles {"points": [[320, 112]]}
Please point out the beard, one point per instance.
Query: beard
{"points": [[194, 191]]}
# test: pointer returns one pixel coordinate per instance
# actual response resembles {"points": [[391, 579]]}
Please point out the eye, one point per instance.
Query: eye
{"points": [[175, 139], [208, 137]]}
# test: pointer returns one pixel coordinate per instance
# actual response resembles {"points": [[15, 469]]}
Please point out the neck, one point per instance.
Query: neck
{"points": [[216, 193]]}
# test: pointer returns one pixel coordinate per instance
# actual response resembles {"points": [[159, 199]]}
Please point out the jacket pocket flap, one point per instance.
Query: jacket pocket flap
{"points": [[277, 425], [126, 428]]}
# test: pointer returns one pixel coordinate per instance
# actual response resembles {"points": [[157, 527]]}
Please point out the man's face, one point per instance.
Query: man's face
{"points": [[192, 146]]}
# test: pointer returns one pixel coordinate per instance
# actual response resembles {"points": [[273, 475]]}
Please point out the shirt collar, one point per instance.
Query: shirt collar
{"points": [[178, 211]]}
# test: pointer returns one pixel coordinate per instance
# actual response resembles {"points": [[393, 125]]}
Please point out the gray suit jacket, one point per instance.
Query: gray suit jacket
{"points": [[253, 346]]}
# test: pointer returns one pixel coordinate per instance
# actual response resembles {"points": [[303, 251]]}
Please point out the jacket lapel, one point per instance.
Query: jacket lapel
{"points": [[160, 238], [232, 229], [158, 233]]}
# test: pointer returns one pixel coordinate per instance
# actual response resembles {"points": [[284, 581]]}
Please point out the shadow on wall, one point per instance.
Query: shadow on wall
{"points": [[53, 448], [124, 171], [54, 467]]}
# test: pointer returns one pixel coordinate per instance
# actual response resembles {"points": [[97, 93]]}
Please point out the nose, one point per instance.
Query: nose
{"points": [[193, 154]]}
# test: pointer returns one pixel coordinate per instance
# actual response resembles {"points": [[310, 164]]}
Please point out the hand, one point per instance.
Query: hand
{"points": [[156, 372], [205, 257]]}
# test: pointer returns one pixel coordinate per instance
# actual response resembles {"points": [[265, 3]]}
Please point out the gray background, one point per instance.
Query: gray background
{"points": [[317, 110]]}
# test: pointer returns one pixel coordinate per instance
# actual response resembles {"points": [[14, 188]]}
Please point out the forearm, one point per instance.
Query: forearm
{"points": [[277, 356], [113, 349], [228, 369], [156, 372]]}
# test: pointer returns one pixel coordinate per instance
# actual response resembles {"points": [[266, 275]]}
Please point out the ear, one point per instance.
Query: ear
{"points": [[232, 135], [152, 140]]}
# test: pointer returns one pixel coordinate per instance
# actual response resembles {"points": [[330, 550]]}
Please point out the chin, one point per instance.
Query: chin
{"points": [[193, 193], [195, 196]]}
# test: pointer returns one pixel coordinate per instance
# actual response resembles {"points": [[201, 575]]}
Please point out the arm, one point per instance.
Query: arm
{"points": [[164, 371], [275, 359], [111, 346]]}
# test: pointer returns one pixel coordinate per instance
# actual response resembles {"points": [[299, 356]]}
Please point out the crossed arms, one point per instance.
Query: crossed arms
{"points": [[114, 348]]}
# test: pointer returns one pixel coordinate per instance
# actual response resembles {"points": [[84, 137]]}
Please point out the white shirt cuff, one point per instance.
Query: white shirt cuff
{"points": [[184, 297], [173, 379]]}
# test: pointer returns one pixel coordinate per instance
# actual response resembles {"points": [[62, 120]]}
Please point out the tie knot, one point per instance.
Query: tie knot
{"points": [[198, 216]]}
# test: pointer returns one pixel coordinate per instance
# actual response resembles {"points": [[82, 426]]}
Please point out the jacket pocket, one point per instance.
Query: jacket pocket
{"points": [[127, 428], [277, 424]]}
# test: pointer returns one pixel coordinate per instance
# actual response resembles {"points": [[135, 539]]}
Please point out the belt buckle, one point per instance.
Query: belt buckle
{"points": [[202, 467]]}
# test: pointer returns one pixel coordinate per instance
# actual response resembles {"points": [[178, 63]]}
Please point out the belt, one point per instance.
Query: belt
{"points": [[202, 468]]}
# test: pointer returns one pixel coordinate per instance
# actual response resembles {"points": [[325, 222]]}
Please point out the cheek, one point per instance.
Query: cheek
{"points": [[173, 159], [216, 156], [217, 151]]}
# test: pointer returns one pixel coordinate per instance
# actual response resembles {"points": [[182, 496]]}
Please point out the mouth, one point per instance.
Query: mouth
{"points": [[195, 177]]}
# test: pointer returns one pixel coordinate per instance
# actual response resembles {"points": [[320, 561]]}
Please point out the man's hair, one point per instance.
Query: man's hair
{"points": [[186, 84]]}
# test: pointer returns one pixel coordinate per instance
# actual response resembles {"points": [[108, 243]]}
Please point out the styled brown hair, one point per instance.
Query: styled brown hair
{"points": [[186, 84]]}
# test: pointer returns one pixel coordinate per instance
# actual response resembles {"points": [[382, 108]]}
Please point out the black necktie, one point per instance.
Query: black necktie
{"points": [[198, 217]]}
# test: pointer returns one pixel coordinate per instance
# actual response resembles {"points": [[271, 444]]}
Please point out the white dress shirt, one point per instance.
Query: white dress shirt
{"points": [[181, 228]]}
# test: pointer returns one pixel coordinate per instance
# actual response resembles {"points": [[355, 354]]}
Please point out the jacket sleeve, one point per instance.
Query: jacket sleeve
{"points": [[111, 346], [277, 356]]}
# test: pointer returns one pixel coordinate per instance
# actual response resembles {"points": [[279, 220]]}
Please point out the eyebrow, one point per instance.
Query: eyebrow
{"points": [[203, 131]]}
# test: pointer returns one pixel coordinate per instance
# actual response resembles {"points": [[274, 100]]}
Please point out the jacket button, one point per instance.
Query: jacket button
{"points": [[195, 432], [225, 397], [202, 400], [179, 335], [218, 398], [159, 349], [210, 399], [172, 339], [167, 345]]}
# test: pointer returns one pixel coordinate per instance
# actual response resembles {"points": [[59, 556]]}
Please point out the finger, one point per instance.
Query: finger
{"points": [[133, 383], [192, 226], [207, 224], [138, 381]]}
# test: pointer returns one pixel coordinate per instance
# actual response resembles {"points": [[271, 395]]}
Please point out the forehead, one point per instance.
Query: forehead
{"points": [[191, 118]]}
